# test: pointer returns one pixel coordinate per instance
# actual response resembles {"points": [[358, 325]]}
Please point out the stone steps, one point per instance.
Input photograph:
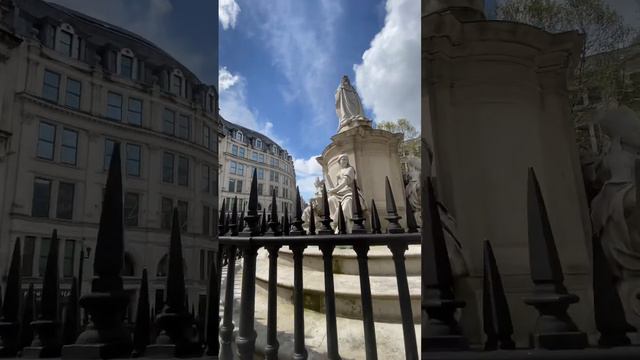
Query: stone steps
{"points": [[346, 262], [386, 305]]}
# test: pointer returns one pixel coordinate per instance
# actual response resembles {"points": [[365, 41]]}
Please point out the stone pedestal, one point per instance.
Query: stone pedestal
{"points": [[498, 104], [373, 153]]}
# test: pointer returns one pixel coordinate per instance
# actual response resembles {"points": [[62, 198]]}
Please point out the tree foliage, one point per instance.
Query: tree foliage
{"points": [[410, 135]]}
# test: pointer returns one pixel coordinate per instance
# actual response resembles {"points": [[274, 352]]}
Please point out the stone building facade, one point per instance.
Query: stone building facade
{"points": [[242, 150], [72, 87]]}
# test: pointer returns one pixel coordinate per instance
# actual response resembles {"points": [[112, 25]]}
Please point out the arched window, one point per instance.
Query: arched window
{"points": [[163, 266], [129, 266], [127, 65], [66, 41], [239, 136], [177, 80]]}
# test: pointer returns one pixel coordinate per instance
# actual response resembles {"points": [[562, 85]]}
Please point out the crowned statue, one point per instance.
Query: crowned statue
{"points": [[348, 106]]}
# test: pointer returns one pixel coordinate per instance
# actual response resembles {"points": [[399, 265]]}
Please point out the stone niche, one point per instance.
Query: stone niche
{"points": [[498, 104], [373, 153]]}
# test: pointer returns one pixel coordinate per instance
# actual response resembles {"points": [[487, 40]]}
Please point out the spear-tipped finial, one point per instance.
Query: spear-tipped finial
{"points": [[9, 322], [495, 308], [376, 227], [233, 223], [252, 218], [286, 226], [212, 319], [274, 225], [392, 213], [412, 224], [342, 222], [297, 223], [221, 223], [51, 283], [142, 331], [326, 221], [312, 220], [72, 316], [175, 275], [263, 225], [356, 213], [28, 315], [554, 329], [109, 253]]}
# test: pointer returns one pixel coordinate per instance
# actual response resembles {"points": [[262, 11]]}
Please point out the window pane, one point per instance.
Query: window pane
{"points": [[51, 86], [133, 160], [114, 106], [72, 98], [126, 66], [167, 206], [241, 152], [205, 220], [69, 258], [167, 168], [64, 208], [184, 127], [28, 251], [134, 116], [232, 185], [68, 151], [46, 141], [176, 85], [131, 204], [240, 170], [206, 136], [108, 150], [169, 122], [41, 197], [183, 171], [183, 208], [64, 43], [239, 186], [44, 252]]}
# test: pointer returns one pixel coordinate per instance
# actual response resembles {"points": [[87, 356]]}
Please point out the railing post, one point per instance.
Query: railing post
{"points": [[226, 330], [142, 331], [9, 322], [410, 344], [300, 352], [271, 349], [212, 317], [330, 302], [71, 319], [495, 308], [362, 248]]}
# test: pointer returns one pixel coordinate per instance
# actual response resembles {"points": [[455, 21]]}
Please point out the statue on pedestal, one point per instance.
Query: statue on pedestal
{"points": [[342, 193], [348, 105]]}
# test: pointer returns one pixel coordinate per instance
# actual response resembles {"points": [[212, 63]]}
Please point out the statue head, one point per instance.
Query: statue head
{"points": [[343, 160]]}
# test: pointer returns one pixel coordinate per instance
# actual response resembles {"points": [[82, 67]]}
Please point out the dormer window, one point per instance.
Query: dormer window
{"points": [[258, 144], [127, 64], [239, 135], [176, 82], [66, 41]]}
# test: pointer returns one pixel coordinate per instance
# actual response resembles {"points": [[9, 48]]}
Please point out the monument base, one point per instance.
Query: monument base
{"points": [[35, 352], [560, 341]]}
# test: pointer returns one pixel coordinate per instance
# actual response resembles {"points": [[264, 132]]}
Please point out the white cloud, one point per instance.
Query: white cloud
{"points": [[234, 105], [388, 79], [306, 172], [147, 18], [228, 11]]}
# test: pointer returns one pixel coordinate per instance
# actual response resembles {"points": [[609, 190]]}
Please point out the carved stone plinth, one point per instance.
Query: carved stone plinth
{"points": [[8, 339], [175, 339], [46, 343]]}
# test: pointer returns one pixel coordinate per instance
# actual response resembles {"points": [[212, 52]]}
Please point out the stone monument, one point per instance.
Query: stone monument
{"points": [[495, 103], [358, 151]]}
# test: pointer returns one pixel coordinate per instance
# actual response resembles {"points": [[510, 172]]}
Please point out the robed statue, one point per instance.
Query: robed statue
{"points": [[348, 105]]}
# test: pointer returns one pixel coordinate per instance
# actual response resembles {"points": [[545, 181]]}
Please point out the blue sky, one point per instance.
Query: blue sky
{"points": [[281, 62]]}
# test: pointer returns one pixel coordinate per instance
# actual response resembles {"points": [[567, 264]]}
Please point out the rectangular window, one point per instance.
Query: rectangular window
{"points": [[202, 265], [184, 127], [41, 197], [64, 43], [133, 159], [167, 207], [46, 141], [69, 149], [69, 258], [232, 185], [114, 106], [275, 188], [64, 208], [275, 177], [134, 115], [108, 150], [167, 167], [234, 149], [126, 66], [271, 175], [261, 158], [169, 118], [240, 170], [45, 243], [183, 214], [254, 156], [206, 137], [241, 152], [260, 173], [131, 206], [183, 171], [233, 166], [260, 186], [176, 85], [239, 186], [51, 86], [28, 252], [206, 178], [74, 89], [205, 220]]}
